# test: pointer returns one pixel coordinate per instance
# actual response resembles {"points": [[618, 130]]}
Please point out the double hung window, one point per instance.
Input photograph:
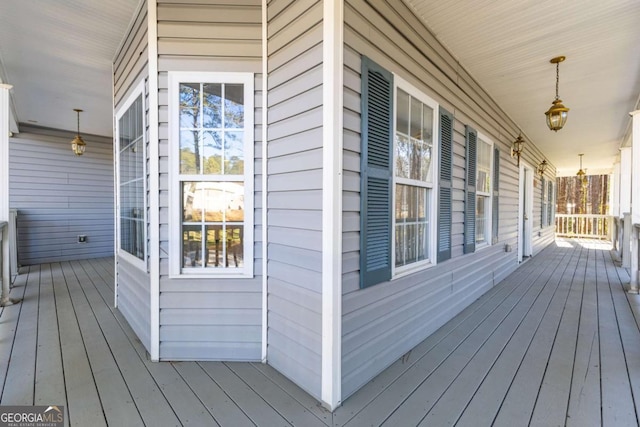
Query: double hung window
{"points": [[413, 177], [483, 192], [212, 136]]}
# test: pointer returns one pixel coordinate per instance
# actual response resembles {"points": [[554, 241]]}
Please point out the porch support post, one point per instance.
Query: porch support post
{"points": [[625, 203], [635, 201], [154, 185], [4, 193], [332, 110]]}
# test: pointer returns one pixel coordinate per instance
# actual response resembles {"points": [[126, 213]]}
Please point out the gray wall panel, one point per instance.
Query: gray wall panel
{"points": [[295, 191], [208, 318], [134, 299], [383, 322], [60, 195]]}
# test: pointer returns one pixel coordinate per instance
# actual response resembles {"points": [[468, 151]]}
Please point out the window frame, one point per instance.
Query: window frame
{"points": [[138, 91], [488, 241], [547, 204], [175, 78], [412, 91]]}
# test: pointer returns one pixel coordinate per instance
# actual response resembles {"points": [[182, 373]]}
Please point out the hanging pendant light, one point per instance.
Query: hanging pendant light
{"points": [[77, 144], [582, 174], [557, 114]]}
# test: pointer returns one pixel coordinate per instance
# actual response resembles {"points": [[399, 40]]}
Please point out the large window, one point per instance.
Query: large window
{"points": [[131, 148], [212, 126], [414, 202], [483, 192]]}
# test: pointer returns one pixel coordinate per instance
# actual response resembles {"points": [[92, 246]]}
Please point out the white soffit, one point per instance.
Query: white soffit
{"points": [[506, 46], [58, 54]]}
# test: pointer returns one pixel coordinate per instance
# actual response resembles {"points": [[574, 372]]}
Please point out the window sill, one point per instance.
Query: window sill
{"points": [[421, 266], [211, 275]]}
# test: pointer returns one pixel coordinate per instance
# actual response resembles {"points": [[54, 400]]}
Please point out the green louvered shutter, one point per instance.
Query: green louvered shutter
{"points": [[495, 213], [376, 174], [550, 204], [543, 203], [471, 137], [444, 194]]}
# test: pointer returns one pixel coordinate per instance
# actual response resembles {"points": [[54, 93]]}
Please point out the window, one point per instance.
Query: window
{"points": [[401, 145], [212, 135], [483, 192], [413, 177], [130, 158]]}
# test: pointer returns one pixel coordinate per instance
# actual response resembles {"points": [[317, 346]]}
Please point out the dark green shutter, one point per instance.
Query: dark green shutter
{"points": [[444, 194], [471, 137], [495, 213], [550, 204], [376, 174], [543, 200]]}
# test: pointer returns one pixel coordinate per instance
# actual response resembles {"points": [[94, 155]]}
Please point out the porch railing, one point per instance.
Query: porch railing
{"points": [[584, 225]]}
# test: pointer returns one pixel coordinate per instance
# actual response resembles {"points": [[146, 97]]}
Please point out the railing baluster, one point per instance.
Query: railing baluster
{"points": [[583, 225]]}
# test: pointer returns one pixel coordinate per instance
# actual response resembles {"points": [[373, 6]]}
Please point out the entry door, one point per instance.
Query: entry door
{"points": [[525, 228]]}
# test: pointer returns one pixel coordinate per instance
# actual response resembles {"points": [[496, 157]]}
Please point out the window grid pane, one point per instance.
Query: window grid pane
{"points": [[413, 149], [483, 191], [213, 205], [131, 160]]}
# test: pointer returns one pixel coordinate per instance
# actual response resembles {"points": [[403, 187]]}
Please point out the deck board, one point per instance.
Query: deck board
{"points": [[617, 399], [20, 373], [556, 343], [553, 397], [49, 371], [519, 402], [487, 397], [471, 361], [584, 397]]}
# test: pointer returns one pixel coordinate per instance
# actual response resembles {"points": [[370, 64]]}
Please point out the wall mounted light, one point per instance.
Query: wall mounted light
{"points": [[77, 144], [557, 114], [542, 167], [516, 148]]}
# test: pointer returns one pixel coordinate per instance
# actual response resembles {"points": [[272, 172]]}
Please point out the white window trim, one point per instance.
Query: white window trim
{"points": [[137, 91], [489, 228], [548, 203], [175, 203], [405, 270]]}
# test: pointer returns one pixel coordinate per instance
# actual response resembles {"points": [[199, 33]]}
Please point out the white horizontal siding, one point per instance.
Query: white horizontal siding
{"points": [[59, 196], [383, 322]]}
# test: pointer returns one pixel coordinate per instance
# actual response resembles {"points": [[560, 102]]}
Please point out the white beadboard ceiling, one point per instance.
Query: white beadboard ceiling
{"points": [[506, 46], [57, 55]]}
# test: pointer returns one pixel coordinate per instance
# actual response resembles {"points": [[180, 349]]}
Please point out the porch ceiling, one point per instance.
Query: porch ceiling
{"points": [[506, 46], [58, 55]]}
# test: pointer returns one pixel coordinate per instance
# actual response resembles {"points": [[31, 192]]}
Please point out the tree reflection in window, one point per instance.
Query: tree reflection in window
{"points": [[212, 138], [211, 123]]}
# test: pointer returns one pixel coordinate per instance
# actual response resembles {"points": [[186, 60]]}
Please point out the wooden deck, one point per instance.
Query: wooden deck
{"points": [[556, 343]]}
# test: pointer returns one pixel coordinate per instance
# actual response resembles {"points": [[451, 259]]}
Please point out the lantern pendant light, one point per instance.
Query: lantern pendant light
{"points": [[582, 174], [557, 114], [77, 144]]}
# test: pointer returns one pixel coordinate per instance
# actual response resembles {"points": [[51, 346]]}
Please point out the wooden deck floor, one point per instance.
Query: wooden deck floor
{"points": [[556, 343]]}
